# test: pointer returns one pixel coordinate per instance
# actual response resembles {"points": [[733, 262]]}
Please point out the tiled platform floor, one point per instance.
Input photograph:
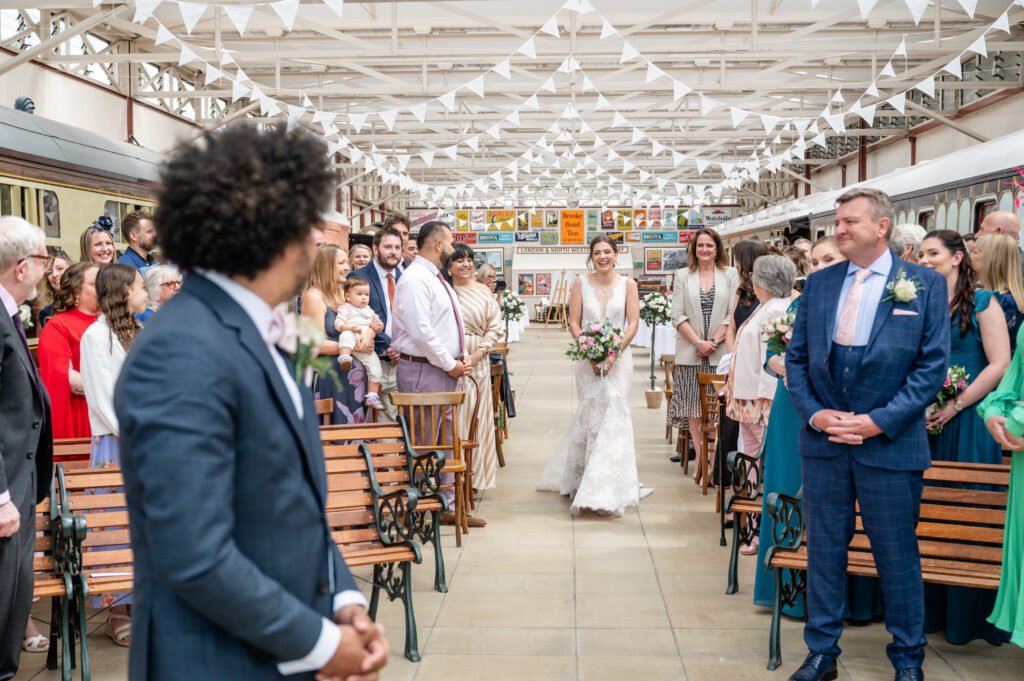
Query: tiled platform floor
{"points": [[540, 595]]}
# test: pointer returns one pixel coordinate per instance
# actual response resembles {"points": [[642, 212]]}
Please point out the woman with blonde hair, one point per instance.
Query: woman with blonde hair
{"points": [[1000, 273], [488, 277], [359, 256]]}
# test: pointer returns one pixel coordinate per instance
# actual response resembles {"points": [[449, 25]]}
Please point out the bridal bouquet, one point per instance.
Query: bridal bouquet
{"points": [[956, 381], [597, 342], [512, 307], [779, 331]]}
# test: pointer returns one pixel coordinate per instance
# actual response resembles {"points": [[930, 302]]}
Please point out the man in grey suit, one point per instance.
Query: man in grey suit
{"points": [[26, 442], [236, 574]]}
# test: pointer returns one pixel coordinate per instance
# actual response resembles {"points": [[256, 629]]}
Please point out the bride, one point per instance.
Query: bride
{"points": [[594, 462]]}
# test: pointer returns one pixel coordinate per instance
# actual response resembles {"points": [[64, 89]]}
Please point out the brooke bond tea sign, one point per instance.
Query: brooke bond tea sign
{"points": [[572, 227]]}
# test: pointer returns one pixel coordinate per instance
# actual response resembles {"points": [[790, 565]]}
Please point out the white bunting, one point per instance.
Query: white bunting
{"points": [[969, 6], [502, 69], [226, 58], [638, 135], [677, 158], [656, 147], [428, 158], [549, 85], [286, 9], [607, 29], [295, 114], [612, 155], [388, 117], [602, 103], [587, 83], [451, 152], [653, 73], [332, 148], [494, 131], [564, 66], [239, 90], [1002, 23], [419, 111], [865, 7], [887, 70], [358, 120], [838, 96], [927, 86], [532, 102], [726, 167], [239, 16], [528, 49], [954, 67], [551, 27], [191, 13], [187, 55], [836, 122], [338, 6], [268, 106], [162, 35], [619, 121], [917, 8], [584, 128], [474, 142], [598, 142], [627, 167], [661, 183], [769, 122], [819, 139], [679, 90], [898, 102], [513, 117], [978, 46], [901, 49], [706, 105], [701, 165], [144, 10], [355, 154], [324, 118], [213, 74], [872, 90], [448, 99], [477, 86], [868, 114], [738, 115], [628, 52]]}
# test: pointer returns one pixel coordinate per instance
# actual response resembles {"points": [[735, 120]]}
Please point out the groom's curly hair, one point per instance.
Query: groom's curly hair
{"points": [[234, 201]]}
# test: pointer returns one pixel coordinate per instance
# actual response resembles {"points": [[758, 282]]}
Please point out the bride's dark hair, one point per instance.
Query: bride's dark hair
{"points": [[600, 239]]}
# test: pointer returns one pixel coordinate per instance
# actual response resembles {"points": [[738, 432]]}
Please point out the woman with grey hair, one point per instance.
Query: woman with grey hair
{"points": [[161, 282], [750, 387]]}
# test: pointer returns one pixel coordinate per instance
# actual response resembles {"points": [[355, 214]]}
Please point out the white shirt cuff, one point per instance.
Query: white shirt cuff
{"points": [[5, 496], [811, 422], [349, 597], [323, 651]]}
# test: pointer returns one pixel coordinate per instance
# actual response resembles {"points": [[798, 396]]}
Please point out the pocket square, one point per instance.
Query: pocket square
{"points": [[909, 313]]}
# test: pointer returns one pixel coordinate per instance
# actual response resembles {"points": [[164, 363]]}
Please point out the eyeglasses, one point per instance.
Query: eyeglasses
{"points": [[47, 259], [176, 284]]}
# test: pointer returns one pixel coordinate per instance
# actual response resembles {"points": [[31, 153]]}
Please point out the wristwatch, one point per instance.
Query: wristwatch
{"points": [[958, 406]]}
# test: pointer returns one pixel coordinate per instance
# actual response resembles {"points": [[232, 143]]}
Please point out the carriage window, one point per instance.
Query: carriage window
{"points": [[1006, 201], [951, 216], [115, 211], [981, 210], [901, 218], [940, 217], [6, 200], [964, 224], [50, 208], [1020, 204], [926, 218]]}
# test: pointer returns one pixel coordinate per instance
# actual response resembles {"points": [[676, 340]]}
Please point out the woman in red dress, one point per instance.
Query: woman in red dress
{"points": [[75, 308]]}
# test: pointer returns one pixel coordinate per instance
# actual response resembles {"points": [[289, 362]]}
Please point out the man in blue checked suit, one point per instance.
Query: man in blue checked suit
{"points": [[869, 351]]}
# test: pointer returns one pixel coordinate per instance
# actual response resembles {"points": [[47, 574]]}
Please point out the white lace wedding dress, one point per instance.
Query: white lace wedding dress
{"points": [[595, 462]]}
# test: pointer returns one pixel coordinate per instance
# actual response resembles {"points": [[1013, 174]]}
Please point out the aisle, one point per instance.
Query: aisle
{"points": [[539, 595]]}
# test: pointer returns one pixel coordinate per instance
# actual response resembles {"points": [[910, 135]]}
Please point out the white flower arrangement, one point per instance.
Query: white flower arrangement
{"points": [[512, 307], [655, 309], [902, 289], [25, 312]]}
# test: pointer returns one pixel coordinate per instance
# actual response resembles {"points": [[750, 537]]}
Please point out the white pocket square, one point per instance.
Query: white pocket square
{"points": [[909, 313]]}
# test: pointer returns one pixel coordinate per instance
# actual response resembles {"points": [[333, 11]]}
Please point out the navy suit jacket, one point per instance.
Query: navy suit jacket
{"points": [[378, 303], [226, 488], [903, 367]]}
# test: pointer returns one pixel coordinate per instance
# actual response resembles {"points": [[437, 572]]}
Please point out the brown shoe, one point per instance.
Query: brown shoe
{"points": [[447, 518], [477, 522]]}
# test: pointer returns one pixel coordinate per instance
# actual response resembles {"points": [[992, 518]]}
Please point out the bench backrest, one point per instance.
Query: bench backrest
{"points": [[427, 416], [98, 493]]}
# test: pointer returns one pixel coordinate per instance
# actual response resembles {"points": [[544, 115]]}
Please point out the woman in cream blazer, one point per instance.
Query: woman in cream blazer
{"points": [[701, 308]]}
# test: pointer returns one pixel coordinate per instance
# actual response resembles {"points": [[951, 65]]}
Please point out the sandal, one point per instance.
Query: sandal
{"points": [[120, 634], [749, 549], [36, 644]]}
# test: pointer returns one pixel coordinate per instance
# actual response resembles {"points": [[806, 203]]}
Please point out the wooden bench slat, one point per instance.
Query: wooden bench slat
{"points": [[87, 502], [952, 495]]}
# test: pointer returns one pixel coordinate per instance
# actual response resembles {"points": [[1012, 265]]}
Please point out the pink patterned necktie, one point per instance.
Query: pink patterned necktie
{"points": [[458, 317], [846, 332]]}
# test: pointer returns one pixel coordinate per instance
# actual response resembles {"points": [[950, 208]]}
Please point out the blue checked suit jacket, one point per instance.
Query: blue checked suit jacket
{"points": [[381, 341], [903, 367]]}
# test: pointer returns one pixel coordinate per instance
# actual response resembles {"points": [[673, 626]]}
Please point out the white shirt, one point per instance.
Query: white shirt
{"points": [[102, 357], [425, 324], [261, 313], [383, 275]]}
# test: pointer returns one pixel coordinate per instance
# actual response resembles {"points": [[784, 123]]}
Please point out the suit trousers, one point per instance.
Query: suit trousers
{"points": [[415, 377], [890, 503], [388, 385], [16, 585]]}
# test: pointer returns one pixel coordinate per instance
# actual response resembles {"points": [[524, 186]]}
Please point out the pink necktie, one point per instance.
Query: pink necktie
{"points": [[846, 332], [458, 317]]}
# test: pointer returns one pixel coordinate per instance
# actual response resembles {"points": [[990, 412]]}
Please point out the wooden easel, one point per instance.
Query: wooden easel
{"points": [[557, 310]]}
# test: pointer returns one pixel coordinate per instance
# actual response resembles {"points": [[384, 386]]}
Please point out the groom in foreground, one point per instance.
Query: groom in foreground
{"points": [[869, 351], [236, 574]]}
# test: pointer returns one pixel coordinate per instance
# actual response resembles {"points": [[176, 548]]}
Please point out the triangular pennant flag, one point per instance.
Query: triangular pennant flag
{"points": [[191, 13], [677, 158], [612, 155], [978, 46], [917, 8], [602, 103], [679, 90], [502, 69], [564, 66], [532, 102], [954, 67], [419, 111], [213, 74], [494, 131], [549, 85], [838, 96], [606, 29], [477, 86], [513, 117], [428, 158], [587, 83], [701, 165], [969, 6], [239, 14], [358, 120], [819, 139], [162, 35], [868, 114], [653, 73], [638, 135], [474, 142], [1002, 23], [355, 154], [268, 106], [528, 49], [239, 90], [324, 118], [865, 7], [769, 122], [627, 167], [727, 168], [187, 55], [337, 5], [286, 9], [584, 128], [835, 121], [388, 117], [898, 102], [887, 70], [451, 152], [144, 10], [598, 142], [226, 58], [619, 121], [294, 116], [737, 115], [656, 147], [872, 90], [551, 27], [901, 49], [628, 52], [448, 99], [706, 105], [927, 86]]}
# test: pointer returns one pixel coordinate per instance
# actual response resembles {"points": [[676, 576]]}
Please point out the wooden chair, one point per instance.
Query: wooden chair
{"points": [[324, 409], [431, 431], [668, 363], [498, 409], [471, 442], [708, 386]]}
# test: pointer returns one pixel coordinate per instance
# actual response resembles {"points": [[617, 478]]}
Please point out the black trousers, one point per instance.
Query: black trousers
{"points": [[16, 581]]}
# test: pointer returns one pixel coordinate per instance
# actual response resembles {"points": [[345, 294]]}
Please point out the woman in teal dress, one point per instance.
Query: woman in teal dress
{"points": [[1004, 416], [980, 343]]}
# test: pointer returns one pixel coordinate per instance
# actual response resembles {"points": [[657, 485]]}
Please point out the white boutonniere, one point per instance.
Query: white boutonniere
{"points": [[25, 312], [301, 338], [902, 289]]}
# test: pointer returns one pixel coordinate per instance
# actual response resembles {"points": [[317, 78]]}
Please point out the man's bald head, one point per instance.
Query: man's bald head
{"points": [[1001, 222]]}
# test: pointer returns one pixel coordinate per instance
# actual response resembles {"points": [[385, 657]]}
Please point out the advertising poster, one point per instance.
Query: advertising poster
{"points": [[489, 256], [478, 220], [640, 219], [616, 237], [420, 218], [716, 216], [537, 219], [668, 217], [527, 237], [542, 285], [464, 237], [684, 237], [501, 220], [633, 237], [572, 227], [551, 219], [495, 238], [522, 220], [607, 219], [696, 219], [682, 219], [654, 217], [593, 218], [447, 217], [652, 260], [526, 284], [549, 238], [462, 221], [624, 219], [669, 237], [673, 259]]}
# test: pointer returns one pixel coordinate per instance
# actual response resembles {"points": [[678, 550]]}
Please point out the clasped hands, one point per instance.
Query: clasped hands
{"points": [[363, 649], [706, 348], [845, 427]]}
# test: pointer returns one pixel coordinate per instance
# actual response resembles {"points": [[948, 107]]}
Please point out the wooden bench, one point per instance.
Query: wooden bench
{"points": [[960, 535], [747, 476], [72, 452]]}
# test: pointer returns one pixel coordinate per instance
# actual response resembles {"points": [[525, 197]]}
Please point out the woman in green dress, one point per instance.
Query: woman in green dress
{"points": [[1003, 414]]}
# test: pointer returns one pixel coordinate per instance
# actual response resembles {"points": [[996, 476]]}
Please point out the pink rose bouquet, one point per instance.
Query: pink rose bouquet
{"points": [[956, 381], [597, 342]]}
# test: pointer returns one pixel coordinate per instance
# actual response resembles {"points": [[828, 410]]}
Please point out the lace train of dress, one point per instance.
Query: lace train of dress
{"points": [[594, 462]]}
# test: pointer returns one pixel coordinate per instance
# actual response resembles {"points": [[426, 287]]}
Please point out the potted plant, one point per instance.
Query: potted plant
{"points": [[654, 310]]}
